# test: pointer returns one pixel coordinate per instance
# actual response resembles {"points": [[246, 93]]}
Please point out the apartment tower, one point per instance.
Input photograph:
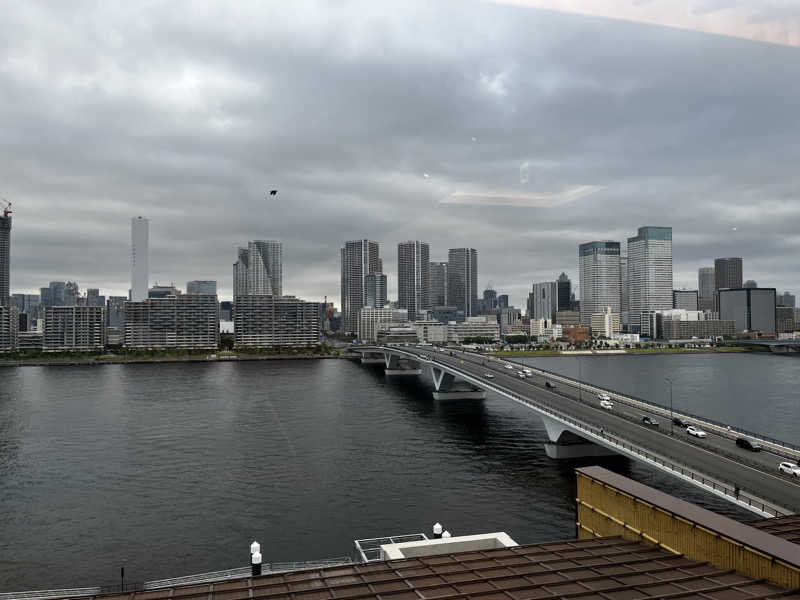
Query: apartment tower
{"points": [[599, 278], [649, 273], [413, 277]]}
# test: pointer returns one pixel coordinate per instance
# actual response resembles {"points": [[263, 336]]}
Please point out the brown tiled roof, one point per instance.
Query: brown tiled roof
{"points": [[787, 527], [600, 568]]}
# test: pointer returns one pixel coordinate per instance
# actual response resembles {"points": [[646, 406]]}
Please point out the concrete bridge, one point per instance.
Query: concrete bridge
{"points": [[777, 346], [578, 426]]}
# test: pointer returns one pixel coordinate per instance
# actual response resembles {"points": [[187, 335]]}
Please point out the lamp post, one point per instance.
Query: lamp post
{"points": [[671, 423], [580, 384]]}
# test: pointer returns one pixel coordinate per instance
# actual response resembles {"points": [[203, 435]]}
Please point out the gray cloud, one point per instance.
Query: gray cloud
{"points": [[187, 113]]}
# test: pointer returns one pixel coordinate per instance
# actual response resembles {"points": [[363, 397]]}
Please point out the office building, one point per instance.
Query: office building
{"points": [[649, 272], [681, 324], [564, 292], [359, 258], [598, 265], [265, 267], [786, 299], [685, 299], [267, 321], [462, 279], [445, 314], [751, 309], [72, 293], [750, 284], [502, 301], [430, 332], [376, 290], [162, 291], [115, 311], [606, 323], [57, 293], [706, 291], [74, 329], [9, 327], [185, 321], [226, 310], [544, 300], [624, 306], [568, 318], [488, 303], [140, 240], [372, 320], [784, 319], [473, 327], [727, 274], [5, 258], [413, 277], [201, 287], [438, 284], [240, 272], [93, 298]]}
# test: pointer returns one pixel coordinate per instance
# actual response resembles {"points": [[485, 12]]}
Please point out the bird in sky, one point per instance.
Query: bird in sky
{"points": [[273, 192]]}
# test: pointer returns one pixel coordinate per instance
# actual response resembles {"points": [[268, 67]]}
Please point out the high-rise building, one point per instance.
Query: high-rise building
{"points": [[268, 321], [705, 288], [462, 280], [58, 293], [750, 283], [140, 240], [45, 297], [9, 327], [489, 301], [598, 266], [787, 299], [359, 258], [93, 298], [72, 293], [685, 299], [727, 274], [544, 300], [265, 267], [162, 291], [200, 286], [5, 259], [624, 307], [564, 292], [413, 277], [649, 272], [187, 321], [752, 309], [502, 301], [438, 284], [240, 272], [376, 290]]}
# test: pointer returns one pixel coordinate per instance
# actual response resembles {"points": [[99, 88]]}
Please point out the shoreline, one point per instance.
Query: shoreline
{"points": [[93, 362]]}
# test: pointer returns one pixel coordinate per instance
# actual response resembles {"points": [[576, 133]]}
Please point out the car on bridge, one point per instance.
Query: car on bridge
{"points": [[789, 468], [748, 444], [649, 421], [607, 404], [696, 431], [508, 367], [521, 375], [680, 422], [550, 385], [603, 397], [488, 376]]}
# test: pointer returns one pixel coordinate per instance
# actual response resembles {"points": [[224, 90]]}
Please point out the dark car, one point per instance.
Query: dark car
{"points": [[748, 445], [680, 422], [547, 384], [649, 421]]}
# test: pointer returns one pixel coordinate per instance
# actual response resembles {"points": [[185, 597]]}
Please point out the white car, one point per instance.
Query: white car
{"points": [[508, 367], [488, 376], [607, 404], [528, 372], [696, 431], [521, 375], [603, 397], [789, 468]]}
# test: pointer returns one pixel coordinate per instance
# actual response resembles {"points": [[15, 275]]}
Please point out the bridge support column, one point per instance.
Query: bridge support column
{"points": [[566, 444], [372, 358], [447, 388], [395, 365]]}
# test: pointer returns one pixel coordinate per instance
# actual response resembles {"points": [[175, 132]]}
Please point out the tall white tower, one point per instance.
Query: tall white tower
{"points": [[140, 238]]}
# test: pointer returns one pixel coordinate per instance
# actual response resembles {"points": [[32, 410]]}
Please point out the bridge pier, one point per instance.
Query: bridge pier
{"points": [[396, 365], [372, 358], [448, 388], [565, 444]]}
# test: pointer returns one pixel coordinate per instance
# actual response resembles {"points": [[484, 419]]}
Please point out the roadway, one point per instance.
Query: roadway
{"points": [[716, 456]]}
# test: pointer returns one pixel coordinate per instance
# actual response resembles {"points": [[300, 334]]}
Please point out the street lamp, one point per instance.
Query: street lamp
{"points": [[671, 422], [580, 384]]}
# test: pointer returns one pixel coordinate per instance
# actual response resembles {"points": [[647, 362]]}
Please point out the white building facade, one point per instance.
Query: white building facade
{"points": [[599, 269], [140, 241], [649, 272]]}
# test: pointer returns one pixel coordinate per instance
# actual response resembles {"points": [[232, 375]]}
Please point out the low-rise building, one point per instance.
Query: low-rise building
{"points": [[9, 328], [576, 334], [784, 319], [474, 327], [30, 340], [568, 318], [606, 323], [188, 321], [74, 329], [263, 321], [445, 314], [370, 320], [431, 332], [685, 330]]}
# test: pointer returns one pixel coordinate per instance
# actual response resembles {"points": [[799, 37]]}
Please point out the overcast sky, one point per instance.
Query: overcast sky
{"points": [[512, 128]]}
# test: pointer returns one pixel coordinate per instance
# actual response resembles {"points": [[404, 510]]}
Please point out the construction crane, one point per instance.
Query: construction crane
{"points": [[6, 206]]}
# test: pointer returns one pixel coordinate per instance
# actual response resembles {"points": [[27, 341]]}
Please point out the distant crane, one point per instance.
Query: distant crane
{"points": [[7, 206]]}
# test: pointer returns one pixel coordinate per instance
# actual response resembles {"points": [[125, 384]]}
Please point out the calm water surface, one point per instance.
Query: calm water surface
{"points": [[176, 468]]}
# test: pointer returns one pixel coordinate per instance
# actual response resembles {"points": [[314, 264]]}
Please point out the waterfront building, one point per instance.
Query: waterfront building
{"points": [[649, 272], [624, 292], [564, 292], [413, 277], [377, 295], [359, 258], [370, 321], [140, 240], [9, 327], [438, 284], [685, 299], [568, 318], [445, 314], [74, 328], [240, 272], [686, 325], [30, 340], [752, 309], [265, 267], [786, 299], [727, 274], [5, 259], [705, 288], [474, 327], [599, 271], [184, 321], [430, 332], [201, 287], [263, 321], [784, 319], [462, 279], [162, 291], [544, 300], [606, 323]]}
